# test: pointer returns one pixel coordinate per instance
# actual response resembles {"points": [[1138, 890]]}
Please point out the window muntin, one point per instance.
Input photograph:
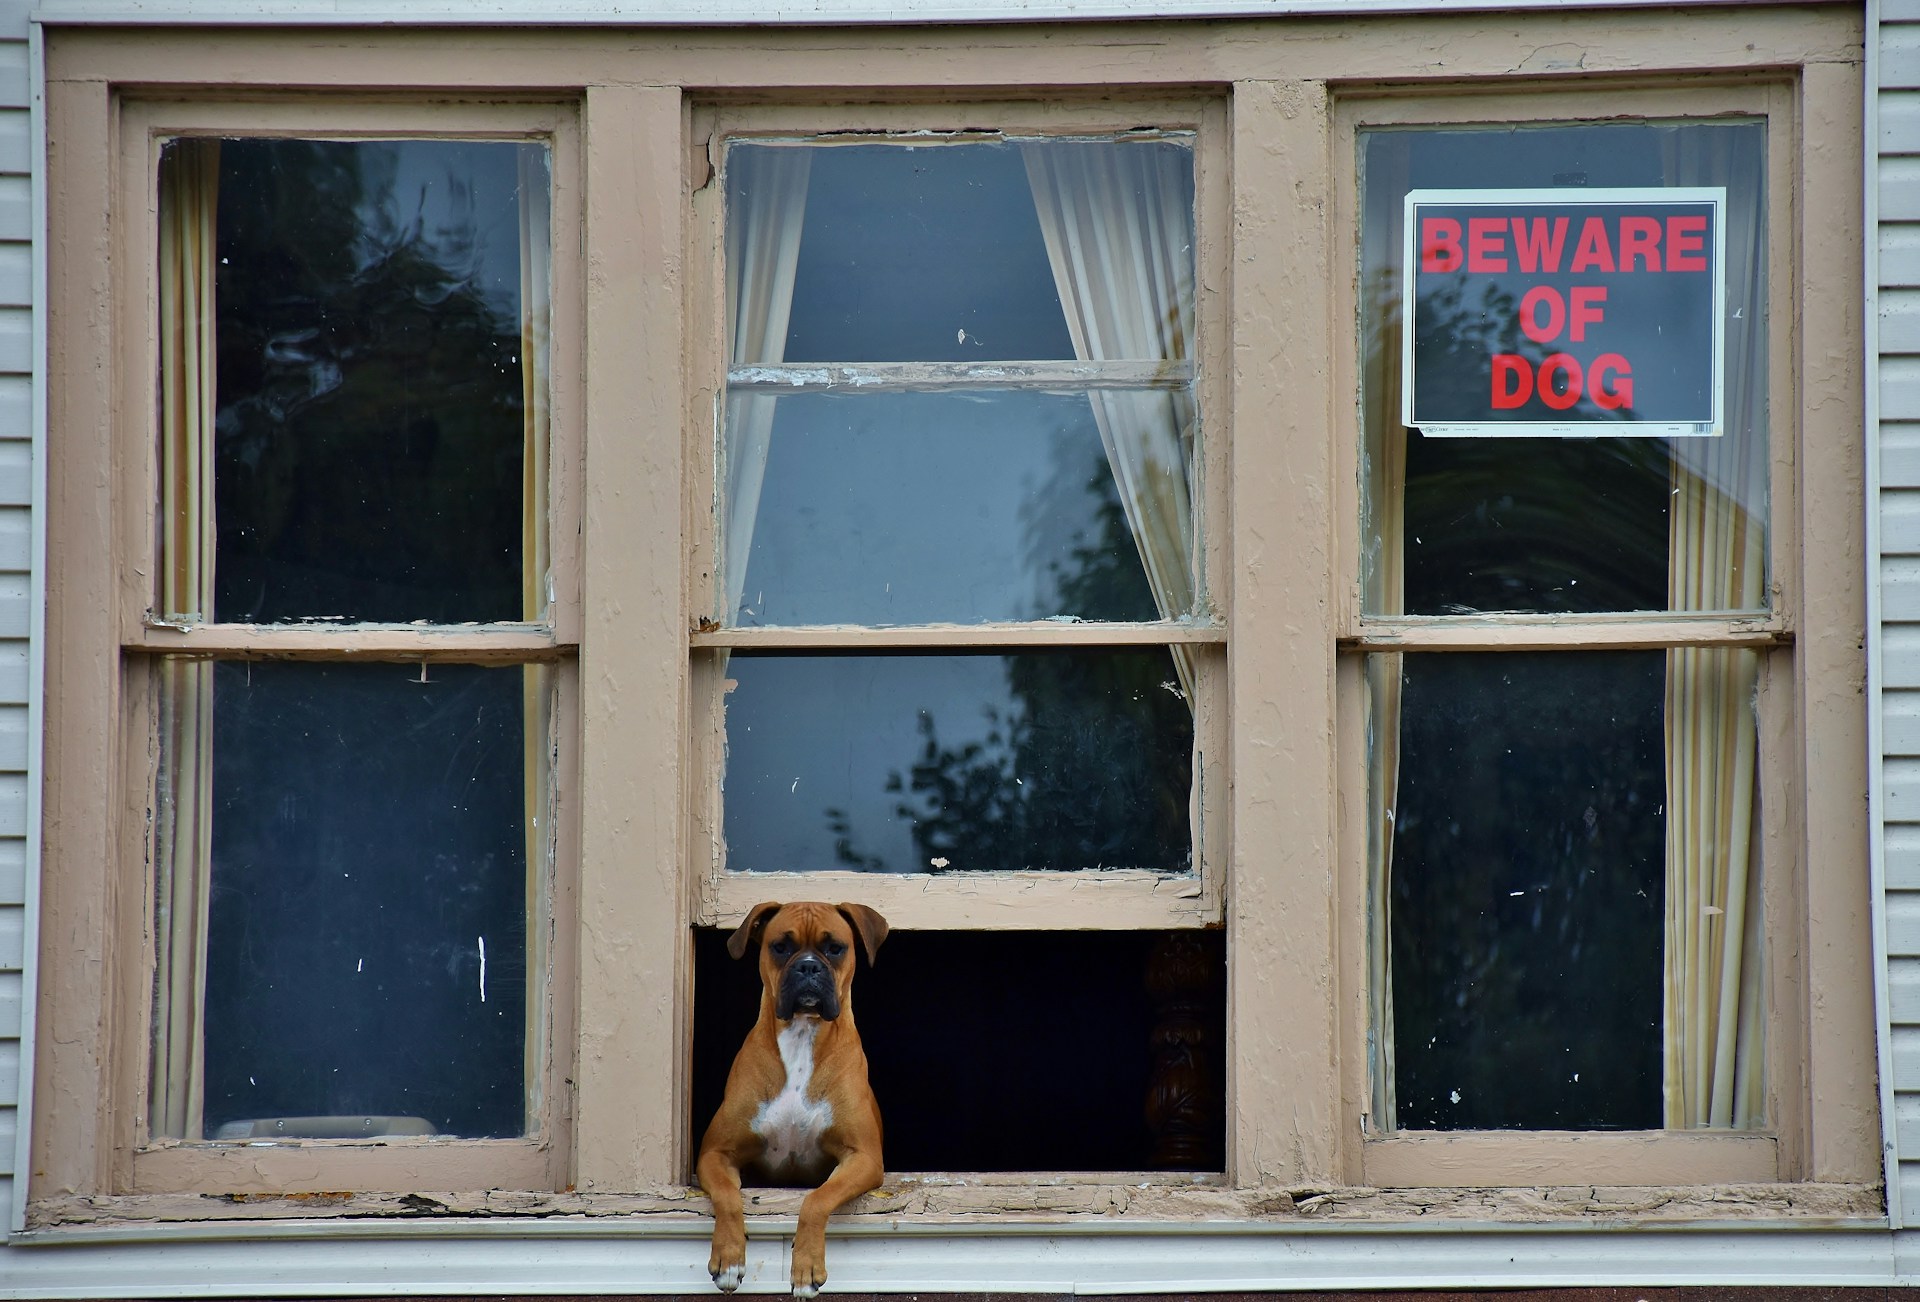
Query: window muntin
{"points": [[961, 391], [353, 431], [1463, 529]]}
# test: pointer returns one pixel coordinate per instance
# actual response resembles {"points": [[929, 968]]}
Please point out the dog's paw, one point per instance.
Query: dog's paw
{"points": [[806, 1290], [729, 1279], [809, 1271]]}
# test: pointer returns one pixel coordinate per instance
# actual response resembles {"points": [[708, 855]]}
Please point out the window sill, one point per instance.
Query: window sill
{"points": [[962, 1205]]}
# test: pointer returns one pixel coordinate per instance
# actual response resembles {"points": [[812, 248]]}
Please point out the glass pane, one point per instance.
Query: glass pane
{"points": [[1462, 524], [344, 879], [374, 313], [902, 508], [958, 763], [1527, 842], [927, 252]]}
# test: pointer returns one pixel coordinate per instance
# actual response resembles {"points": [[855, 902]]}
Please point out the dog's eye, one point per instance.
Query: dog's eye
{"points": [[833, 949], [781, 948]]}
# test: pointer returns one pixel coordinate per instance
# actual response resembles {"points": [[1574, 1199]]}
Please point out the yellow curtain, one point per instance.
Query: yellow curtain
{"points": [[536, 570], [189, 191], [1715, 1022]]}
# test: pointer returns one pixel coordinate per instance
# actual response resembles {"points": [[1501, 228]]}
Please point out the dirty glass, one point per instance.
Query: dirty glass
{"points": [[357, 903], [1526, 889], [1456, 525], [375, 304], [902, 508], [957, 763]]}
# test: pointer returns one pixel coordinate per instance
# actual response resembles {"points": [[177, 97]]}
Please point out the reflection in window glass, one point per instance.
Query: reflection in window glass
{"points": [[1526, 891], [904, 508], [344, 894], [1072, 256], [1456, 525], [958, 763], [363, 320]]}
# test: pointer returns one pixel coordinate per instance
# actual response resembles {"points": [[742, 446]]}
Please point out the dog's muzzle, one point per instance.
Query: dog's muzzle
{"points": [[807, 987]]}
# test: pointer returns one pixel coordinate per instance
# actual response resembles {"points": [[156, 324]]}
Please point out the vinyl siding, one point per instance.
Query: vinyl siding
{"points": [[1899, 573], [16, 496]]}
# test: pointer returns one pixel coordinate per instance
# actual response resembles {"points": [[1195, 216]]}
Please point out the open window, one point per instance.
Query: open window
{"points": [[961, 662]]}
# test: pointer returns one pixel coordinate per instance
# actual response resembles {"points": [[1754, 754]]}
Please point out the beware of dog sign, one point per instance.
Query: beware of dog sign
{"points": [[1564, 312]]}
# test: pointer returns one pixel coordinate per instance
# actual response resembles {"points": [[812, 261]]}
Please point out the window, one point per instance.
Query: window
{"points": [[346, 677], [960, 639], [973, 485], [1574, 641]]}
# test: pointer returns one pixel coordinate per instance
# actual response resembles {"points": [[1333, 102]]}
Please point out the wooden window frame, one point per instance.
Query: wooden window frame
{"points": [[636, 378], [1806, 409], [133, 1161], [1043, 900]]}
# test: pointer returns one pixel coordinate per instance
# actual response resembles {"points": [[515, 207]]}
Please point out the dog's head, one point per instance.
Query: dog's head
{"points": [[806, 952]]}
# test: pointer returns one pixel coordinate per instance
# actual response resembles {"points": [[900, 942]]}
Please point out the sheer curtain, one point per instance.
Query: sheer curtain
{"points": [[189, 192], [1118, 225], [767, 204], [1715, 1023]]}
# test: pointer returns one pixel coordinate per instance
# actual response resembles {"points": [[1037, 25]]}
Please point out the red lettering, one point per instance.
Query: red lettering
{"points": [[1586, 309], [1486, 244], [1686, 243], [1619, 394], [1552, 394], [1593, 251], [1512, 381], [1439, 244], [1640, 238], [1530, 304], [1536, 249]]}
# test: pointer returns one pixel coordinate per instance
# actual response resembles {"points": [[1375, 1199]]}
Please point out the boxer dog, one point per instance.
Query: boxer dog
{"points": [[797, 1107]]}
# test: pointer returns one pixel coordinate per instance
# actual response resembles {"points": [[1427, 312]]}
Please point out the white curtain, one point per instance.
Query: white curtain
{"points": [[189, 191], [1715, 1015], [767, 203], [1118, 224]]}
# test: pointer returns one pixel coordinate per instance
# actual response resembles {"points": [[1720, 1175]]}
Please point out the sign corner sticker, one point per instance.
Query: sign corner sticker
{"points": [[1564, 312]]}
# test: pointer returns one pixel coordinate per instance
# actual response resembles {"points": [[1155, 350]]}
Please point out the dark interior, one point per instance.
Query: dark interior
{"points": [[1016, 1051]]}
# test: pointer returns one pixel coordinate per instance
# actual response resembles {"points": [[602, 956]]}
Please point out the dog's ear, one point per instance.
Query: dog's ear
{"points": [[748, 932], [870, 926]]}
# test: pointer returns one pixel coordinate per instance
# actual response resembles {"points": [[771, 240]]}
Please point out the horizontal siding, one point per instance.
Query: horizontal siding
{"points": [[1898, 383]]}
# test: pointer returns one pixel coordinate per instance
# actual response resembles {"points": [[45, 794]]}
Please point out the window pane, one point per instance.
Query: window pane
{"points": [[1460, 524], [958, 763], [930, 252], [905, 508], [353, 329], [344, 894], [1527, 847]]}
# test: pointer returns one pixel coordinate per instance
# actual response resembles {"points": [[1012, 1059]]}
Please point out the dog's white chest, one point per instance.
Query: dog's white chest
{"points": [[790, 1124]]}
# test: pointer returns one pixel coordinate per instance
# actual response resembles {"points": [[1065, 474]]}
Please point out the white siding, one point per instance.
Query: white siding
{"points": [[1898, 251], [16, 432]]}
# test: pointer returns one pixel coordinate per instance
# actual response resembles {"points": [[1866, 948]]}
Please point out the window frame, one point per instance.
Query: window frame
{"points": [[1113, 899], [1806, 409], [637, 403], [146, 1164]]}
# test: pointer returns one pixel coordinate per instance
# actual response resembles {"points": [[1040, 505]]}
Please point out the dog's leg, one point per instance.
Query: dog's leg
{"points": [[727, 1263], [857, 1173]]}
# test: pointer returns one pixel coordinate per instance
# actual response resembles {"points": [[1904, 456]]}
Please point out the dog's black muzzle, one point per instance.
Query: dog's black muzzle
{"points": [[807, 987]]}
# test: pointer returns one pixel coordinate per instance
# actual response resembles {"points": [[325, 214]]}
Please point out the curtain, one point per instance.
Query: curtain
{"points": [[767, 198], [189, 192], [1118, 225], [1715, 1023], [536, 562]]}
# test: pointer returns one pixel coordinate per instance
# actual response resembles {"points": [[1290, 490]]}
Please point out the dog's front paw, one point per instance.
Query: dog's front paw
{"points": [[809, 1264], [728, 1261]]}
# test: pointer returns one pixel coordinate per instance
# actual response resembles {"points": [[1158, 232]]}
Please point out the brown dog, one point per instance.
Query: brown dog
{"points": [[797, 1106]]}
